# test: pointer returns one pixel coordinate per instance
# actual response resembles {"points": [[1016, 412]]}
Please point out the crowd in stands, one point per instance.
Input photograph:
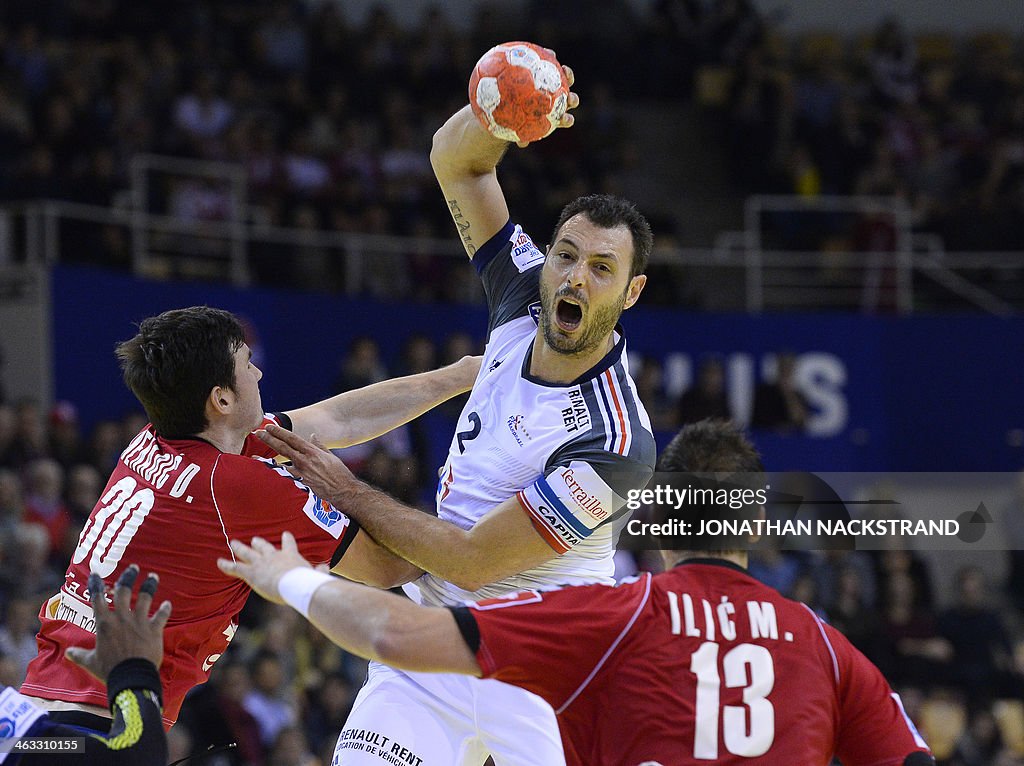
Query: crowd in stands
{"points": [[331, 121], [282, 692], [934, 120]]}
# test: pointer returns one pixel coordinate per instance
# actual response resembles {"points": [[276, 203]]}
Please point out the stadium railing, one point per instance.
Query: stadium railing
{"points": [[795, 253]]}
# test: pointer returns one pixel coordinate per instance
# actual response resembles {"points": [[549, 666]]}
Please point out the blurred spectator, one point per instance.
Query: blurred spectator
{"points": [[65, 438], [83, 491], [268, 701], [779, 405], [29, 440], [706, 398], [893, 562], [105, 445], [328, 706], [18, 633], [12, 506], [26, 567], [361, 366], [850, 611], [917, 653], [291, 749], [44, 499], [892, 63], [650, 388], [202, 115], [213, 714], [982, 652], [8, 436], [981, 743]]}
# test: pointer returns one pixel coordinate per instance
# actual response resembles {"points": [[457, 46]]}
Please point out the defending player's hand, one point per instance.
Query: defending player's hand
{"points": [[262, 565], [123, 633], [312, 463]]}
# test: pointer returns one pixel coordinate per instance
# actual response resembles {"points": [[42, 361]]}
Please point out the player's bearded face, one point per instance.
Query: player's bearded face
{"points": [[596, 322]]}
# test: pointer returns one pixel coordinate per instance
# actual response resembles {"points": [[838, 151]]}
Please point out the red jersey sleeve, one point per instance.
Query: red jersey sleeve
{"points": [[253, 447], [256, 497], [553, 643], [874, 729]]}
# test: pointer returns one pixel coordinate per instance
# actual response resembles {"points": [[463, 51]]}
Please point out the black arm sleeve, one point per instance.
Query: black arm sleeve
{"points": [[467, 627], [136, 735]]}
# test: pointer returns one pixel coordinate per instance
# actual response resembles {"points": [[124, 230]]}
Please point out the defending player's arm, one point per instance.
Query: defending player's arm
{"points": [[465, 159], [370, 623], [365, 413], [524, 640]]}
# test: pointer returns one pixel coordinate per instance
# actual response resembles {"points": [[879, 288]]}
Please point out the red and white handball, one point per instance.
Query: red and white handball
{"points": [[518, 91]]}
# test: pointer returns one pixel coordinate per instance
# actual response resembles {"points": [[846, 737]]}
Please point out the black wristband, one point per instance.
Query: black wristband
{"points": [[134, 673]]}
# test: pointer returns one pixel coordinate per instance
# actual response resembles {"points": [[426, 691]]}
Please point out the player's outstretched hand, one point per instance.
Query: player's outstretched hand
{"points": [[262, 565], [123, 633], [312, 463]]}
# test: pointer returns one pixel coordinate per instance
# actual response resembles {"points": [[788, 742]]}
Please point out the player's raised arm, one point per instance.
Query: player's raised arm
{"points": [[357, 416], [465, 154], [465, 158]]}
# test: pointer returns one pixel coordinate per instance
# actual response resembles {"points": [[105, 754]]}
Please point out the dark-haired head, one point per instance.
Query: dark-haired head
{"points": [[711, 446], [174, 362]]}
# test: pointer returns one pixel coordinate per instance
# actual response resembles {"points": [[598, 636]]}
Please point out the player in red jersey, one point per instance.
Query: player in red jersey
{"points": [[196, 477], [701, 663]]}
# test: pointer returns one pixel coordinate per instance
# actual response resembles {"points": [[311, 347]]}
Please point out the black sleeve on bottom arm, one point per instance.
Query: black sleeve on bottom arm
{"points": [[919, 759], [136, 735], [346, 540], [467, 627]]}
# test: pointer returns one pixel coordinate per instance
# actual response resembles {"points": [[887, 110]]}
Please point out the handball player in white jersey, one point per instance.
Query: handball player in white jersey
{"points": [[550, 442]]}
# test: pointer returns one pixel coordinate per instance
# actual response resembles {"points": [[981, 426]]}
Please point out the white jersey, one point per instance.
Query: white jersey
{"points": [[569, 452]]}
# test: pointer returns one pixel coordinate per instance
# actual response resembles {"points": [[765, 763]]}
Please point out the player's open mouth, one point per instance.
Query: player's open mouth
{"points": [[568, 314]]}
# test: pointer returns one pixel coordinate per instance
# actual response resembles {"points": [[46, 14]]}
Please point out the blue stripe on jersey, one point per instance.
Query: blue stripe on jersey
{"points": [[549, 494], [489, 249], [611, 431]]}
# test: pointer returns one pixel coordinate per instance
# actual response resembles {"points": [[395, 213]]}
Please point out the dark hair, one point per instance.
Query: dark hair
{"points": [[711, 446], [609, 212], [174, 362], [715, 447]]}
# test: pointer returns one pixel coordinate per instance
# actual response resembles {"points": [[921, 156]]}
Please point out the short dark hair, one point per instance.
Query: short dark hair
{"points": [[711, 446], [714, 447], [174, 362], [608, 212]]}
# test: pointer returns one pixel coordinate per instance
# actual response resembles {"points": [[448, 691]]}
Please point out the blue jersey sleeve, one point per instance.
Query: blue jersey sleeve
{"points": [[509, 266]]}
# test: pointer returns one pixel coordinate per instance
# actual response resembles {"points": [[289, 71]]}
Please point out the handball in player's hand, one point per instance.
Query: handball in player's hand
{"points": [[519, 91]]}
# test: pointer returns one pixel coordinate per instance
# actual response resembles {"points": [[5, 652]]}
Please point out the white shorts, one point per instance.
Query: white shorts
{"points": [[428, 719]]}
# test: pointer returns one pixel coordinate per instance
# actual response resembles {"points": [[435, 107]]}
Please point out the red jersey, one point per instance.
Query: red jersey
{"points": [[171, 506], [698, 664]]}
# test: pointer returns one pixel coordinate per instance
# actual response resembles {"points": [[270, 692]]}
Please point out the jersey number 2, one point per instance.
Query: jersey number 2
{"points": [[470, 433], [748, 730]]}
